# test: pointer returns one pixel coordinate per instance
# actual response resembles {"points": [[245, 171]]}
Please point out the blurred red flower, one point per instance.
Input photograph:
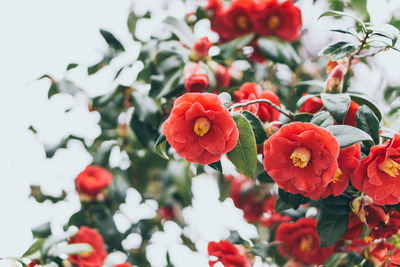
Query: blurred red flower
{"points": [[195, 78], [200, 49], [92, 182], [200, 128], [228, 254]]}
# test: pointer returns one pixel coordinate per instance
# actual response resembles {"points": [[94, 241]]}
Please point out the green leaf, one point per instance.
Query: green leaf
{"points": [[331, 228], [338, 50], [40, 197], [34, 248], [72, 66], [339, 205], [322, 119], [279, 51], [229, 49], [337, 105], [146, 109], [335, 259], [360, 6], [257, 126], [260, 249], [244, 154], [333, 13], [303, 117], [111, 40], [180, 29], [216, 166], [132, 21], [280, 205], [362, 100], [368, 122], [294, 200], [161, 146], [63, 86], [336, 5], [347, 135], [170, 86]]}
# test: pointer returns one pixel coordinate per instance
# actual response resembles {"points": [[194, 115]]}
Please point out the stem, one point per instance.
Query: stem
{"points": [[373, 53], [356, 53], [288, 114]]}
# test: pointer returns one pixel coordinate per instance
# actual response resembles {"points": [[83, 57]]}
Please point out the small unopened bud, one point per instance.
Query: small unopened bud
{"points": [[221, 73], [195, 78], [273, 127], [334, 83], [200, 49]]}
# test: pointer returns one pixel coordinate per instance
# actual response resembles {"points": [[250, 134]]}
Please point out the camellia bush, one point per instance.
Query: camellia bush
{"points": [[308, 158]]}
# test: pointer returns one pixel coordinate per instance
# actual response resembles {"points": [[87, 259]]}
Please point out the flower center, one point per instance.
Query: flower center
{"points": [[242, 22], [273, 22], [201, 126], [300, 157], [390, 167], [338, 174], [306, 243]]}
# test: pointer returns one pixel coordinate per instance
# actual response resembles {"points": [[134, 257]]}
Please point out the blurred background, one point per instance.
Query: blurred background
{"points": [[43, 37]]}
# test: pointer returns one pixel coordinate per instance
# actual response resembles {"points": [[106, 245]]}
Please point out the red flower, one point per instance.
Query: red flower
{"points": [[256, 55], [195, 78], [88, 259], [383, 254], [389, 229], [200, 128], [378, 174], [354, 228], [34, 263], [302, 158], [280, 19], [348, 161], [270, 217], [200, 49], [248, 92], [312, 105], [167, 212], [228, 254], [221, 73], [334, 83], [91, 183], [247, 197], [300, 241], [125, 264], [238, 17]]}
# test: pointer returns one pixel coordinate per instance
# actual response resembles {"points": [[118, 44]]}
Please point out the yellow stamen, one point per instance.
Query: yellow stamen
{"points": [[338, 174], [390, 167], [273, 22], [91, 178], [242, 22], [306, 243], [201, 126], [300, 157]]}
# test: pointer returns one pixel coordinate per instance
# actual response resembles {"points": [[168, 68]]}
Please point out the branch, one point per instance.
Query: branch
{"points": [[359, 49], [373, 53], [288, 114]]}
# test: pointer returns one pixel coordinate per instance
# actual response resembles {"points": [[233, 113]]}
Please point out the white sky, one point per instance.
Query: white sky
{"points": [[43, 36]]}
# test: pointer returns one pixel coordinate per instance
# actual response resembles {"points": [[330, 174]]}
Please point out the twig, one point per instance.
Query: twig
{"points": [[359, 49], [373, 53], [288, 114]]}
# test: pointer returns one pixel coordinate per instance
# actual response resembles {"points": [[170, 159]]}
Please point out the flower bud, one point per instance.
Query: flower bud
{"points": [[200, 49], [368, 212], [221, 73], [334, 83], [195, 78], [272, 127]]}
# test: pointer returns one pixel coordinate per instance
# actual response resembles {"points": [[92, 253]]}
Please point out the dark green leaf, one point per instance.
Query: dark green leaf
{"points": [[335, 259], [42, 231], [244, 154], [170, 85], [180, 29], [294, 200], [347, 135], [339, 205], [337, 105], [161, 146], [303, 117], [229, 49], [260, 249], [111, 40], [336, 5], [40, 197], [96, 67], [34, 248], [257, 126], [216, 166], [146, 109], [280, 205], [132, 20], [279, 51], [72, 66], [322, 119], [331, 228], [264, 177], [338, 50], [368, 122], [362, 100]]}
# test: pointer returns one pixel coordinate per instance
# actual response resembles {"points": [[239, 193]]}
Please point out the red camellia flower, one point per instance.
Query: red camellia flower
{"points": [[270, 217], [91, 183], [228, 254], [256, 55], [354, 229], [334, 83], [389, 229], [383, 254], [302, 158], [300, 240], [200, 49], [167, 212], [238, 17], [314, 104], [88, 259], [125, 264], [348, 160], [248, 92], [378, 174], [281, 19], [34, 263], [195, 78], [200, 128]]}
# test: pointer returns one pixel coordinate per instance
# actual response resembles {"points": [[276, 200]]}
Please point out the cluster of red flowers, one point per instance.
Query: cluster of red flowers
{"points": [[265, 18]]}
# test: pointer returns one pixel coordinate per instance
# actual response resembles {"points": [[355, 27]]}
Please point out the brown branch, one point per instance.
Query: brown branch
{"points": [[359, 49], [288, 114], [373, 53]]}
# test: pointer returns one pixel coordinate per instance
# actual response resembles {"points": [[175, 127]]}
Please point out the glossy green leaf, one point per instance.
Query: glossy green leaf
{"points": [[72, 66], [161, 146], [347, 135], [337, 105], [180, 29], [368, 122], [363, 100], [279, 51], [339, 205], [322, 119], [338, 50], [244, 154], [280, 205], [146, 109], [333, 13], [294, 200], [171, 85], [216, 166], [331, 228], [257, 126], [111, 40], [303, 117]]}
